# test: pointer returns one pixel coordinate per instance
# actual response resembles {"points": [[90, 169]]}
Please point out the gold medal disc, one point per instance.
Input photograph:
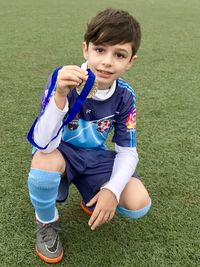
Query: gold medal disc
{"points": [[92, 91]]}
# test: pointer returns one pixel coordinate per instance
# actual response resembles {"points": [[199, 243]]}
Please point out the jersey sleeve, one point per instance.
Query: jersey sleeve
{"points": [[49, 121], [48, 125], [125, 122], [124, 166]]}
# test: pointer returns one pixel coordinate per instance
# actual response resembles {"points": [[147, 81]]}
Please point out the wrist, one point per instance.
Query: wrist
{"points": [[110, 192], [60, 100], [61, 93]]}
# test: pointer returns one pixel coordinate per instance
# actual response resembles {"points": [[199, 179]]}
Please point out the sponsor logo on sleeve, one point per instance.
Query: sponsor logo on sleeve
{"points": [[131, 119]]}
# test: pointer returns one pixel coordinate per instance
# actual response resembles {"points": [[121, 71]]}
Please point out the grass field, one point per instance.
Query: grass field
{"points": [[35, 37]]}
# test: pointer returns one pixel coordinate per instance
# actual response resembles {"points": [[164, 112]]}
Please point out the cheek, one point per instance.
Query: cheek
{"points": [[91, 60], [121, 68], [91, 64], [124, 66]]}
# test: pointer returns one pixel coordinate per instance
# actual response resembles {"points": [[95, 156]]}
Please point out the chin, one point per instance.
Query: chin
{"points": [[102, 85]]}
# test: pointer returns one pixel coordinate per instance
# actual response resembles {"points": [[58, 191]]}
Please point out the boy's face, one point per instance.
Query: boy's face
{"points": [[108, 62]]}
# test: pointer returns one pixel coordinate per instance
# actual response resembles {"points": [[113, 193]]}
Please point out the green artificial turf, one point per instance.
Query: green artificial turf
{"points": [[35, 37]]}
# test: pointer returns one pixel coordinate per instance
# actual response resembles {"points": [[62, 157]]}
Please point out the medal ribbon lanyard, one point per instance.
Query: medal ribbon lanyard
{"points": [[75, 109]]}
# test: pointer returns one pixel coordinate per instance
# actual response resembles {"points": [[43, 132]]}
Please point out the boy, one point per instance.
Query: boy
{"points": [[104, 178]]}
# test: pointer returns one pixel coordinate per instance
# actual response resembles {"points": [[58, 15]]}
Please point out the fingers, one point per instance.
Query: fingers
{"points": [[110, 216], [73, 73], [69, 77], [100, 217], [92, 201], [104, 211], [96, 219]]}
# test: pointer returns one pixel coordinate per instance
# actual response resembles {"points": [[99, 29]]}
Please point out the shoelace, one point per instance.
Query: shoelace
{"points": [[47, 231]]}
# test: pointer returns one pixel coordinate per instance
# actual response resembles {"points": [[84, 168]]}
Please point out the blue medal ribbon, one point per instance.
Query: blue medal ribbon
{"points": [[75, 109]]}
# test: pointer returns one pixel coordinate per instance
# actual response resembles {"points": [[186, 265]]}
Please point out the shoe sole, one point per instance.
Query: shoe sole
{"points": [[49, 260], [85, 209]]}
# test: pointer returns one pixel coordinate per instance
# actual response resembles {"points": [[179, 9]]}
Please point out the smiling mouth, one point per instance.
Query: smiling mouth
{"points": [[104, 72]]}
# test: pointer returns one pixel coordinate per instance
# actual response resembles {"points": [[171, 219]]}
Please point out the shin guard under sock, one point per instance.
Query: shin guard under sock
{"points": [[43, 190], [134, 214]]}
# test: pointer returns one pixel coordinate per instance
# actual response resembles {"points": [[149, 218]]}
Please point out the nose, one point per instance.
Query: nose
{"points": [[107, 60]]}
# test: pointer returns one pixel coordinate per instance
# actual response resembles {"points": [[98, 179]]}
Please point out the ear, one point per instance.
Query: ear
{"points": [[85, 50], [131, 62]]}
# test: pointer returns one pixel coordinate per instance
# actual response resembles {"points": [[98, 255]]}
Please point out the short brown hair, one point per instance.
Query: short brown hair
{"points": [[112, 27]]}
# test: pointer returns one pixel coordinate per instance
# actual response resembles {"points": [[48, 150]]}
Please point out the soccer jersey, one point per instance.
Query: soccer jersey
{"points": [[96, 119]]}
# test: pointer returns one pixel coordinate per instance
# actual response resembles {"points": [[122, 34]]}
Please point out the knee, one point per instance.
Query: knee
{"points": [[139, 202], [134, 201], [53, 161], [134, 196]]}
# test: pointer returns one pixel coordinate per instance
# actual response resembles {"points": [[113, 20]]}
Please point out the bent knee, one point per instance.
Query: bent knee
{"points": [[134, 196], [53, 161], [139, 202]]}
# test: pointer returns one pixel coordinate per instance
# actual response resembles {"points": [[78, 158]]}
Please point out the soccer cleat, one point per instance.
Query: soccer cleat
{"points": [[85, 209], [48, 246]]}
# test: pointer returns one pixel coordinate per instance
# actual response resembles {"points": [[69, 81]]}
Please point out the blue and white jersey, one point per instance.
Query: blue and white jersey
{"points": [[96, 119]]}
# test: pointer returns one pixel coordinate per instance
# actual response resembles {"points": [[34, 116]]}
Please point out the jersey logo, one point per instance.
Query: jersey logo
{"points": [[131, 119], [88, 111], [104, 125], [74, 124]]}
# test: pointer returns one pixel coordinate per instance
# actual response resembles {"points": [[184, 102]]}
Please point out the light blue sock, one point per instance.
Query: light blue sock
{"points": [[134, 214], [43, 190]]}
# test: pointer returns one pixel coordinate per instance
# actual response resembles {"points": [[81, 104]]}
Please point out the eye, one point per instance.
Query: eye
{"points": [[99, 50], [120, 55]]}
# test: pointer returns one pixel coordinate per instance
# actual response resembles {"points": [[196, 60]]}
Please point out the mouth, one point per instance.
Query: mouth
{"points": [[104, 73]]}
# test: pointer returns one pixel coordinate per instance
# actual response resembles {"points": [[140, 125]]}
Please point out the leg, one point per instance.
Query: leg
{"points": [[43, 182], [134, 201]]}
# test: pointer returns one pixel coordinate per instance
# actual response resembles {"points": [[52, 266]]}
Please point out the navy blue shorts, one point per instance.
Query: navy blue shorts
{"points": [[87, 169]]}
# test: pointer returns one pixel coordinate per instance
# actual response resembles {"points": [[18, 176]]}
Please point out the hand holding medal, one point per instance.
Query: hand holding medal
{"points": [[93, 89], [84, 93], [73, 77]]}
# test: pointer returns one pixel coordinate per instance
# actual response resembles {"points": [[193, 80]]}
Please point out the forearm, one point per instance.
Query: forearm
{"points": [[60, 100], [49, 123], [124, 166]]}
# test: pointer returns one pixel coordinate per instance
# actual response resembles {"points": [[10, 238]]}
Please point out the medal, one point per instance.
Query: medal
{"points": [[92, 92]]}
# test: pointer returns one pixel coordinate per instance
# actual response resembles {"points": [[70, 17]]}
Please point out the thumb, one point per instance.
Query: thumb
{"points": [[92, 201]]}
